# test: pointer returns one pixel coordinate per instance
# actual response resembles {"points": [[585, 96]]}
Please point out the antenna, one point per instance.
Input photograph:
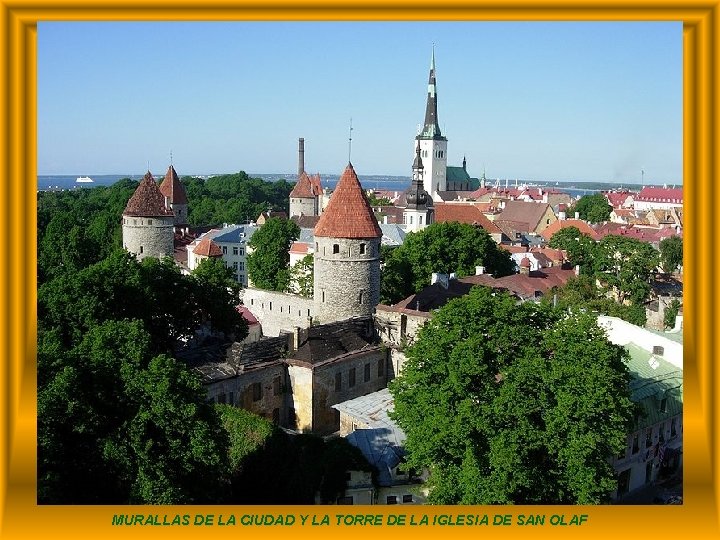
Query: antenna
{"points": [[350, 142], [642, 175], [171, 157]]}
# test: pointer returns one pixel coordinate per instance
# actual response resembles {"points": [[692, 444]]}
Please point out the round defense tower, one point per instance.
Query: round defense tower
{"points": [[147, 224], [347, 254]]}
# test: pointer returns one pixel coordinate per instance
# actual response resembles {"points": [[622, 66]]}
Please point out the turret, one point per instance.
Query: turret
{"points": [[147, 223]]}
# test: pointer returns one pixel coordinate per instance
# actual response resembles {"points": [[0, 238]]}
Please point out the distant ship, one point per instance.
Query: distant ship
{"points": [[84, 179]]}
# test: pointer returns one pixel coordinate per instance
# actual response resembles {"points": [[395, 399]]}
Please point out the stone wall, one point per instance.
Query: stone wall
{"points": [[278, 312], [148, 236], [347, 277], [358, 375], [303, 205], [181, 213], [399, 327], [302, 396]]}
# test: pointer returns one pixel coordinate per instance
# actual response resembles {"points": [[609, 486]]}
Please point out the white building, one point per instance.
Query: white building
{"points": [[231, 245]]}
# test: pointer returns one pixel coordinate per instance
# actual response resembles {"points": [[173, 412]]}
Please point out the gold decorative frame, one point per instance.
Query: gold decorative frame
{"points": [[20, 517]]}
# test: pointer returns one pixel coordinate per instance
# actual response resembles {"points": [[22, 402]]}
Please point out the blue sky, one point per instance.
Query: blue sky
{"points": [[535, 101]]}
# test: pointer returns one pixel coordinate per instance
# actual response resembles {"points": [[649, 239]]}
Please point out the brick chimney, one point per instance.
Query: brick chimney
{"points": [[301, 156]]}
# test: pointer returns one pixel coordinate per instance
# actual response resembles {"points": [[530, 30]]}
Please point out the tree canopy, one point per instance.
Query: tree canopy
{"points": [[626, 265], [443, 248], [671, 253], [268, 263], [593, 208], [580, 248], [510, 403]]}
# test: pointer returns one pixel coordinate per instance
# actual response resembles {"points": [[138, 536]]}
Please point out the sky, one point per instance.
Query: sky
{"points": [[564, 101]]}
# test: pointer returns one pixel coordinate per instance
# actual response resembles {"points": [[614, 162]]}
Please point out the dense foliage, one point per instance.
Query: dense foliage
{"points": [[592, 208], [508, 403], [119, 420], [671, 253], [622, 265], [301, 277], [233, 198], [268, 262], [268, 466], [443, 248]]}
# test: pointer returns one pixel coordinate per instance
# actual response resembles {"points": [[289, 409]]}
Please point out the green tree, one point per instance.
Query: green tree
{"points": [[626, 265], [593, 208], [268, 263], [580, 248], [671, 253], [117, 425], [671, 313], [302, 277], [513, 404], [216, 296], [444, 248]]}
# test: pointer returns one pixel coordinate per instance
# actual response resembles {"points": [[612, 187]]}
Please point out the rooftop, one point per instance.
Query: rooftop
{"points": [[172, 188], [348, 214], [147, 201]]}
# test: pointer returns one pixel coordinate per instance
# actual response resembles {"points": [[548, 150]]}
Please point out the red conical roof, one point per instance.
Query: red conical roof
{"points": [[304, 188], [172, 188], [348, 214], [147, 201]]}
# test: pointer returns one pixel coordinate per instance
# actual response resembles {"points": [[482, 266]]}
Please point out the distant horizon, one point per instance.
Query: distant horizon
{"points": [[567, 101], [270, 176]]}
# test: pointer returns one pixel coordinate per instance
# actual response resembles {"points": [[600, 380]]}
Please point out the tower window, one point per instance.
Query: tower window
{"points": [[336, 249], [149, 221], [141, 249], [360, 297], [362, 249]]}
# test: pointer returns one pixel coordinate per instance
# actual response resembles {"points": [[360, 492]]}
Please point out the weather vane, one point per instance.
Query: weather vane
{"points": [[350, 142]]}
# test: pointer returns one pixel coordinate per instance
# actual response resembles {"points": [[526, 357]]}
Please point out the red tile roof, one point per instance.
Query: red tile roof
{"points": [[305, 222], [465, 213], [172, 188], [299, 247], [208, 248], [524, 212], [657, 194], [525, 263], [348, 214], [306, 187], [247, 315], [617, 198], [147, 201], [581, 225]]}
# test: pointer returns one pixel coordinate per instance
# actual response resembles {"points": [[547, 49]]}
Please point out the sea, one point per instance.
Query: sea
{"points": [[378, 182]]}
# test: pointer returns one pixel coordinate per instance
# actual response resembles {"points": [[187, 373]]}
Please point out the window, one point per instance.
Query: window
{"points": [[420, 219], [241, 278], [141, 249], [242, 251], [407, 498], [367, 372], [360, 297], [381, 367], [257, 391], [235, 250], [411, 220], [362, 249], [391, 499], [270, 305], [636, 444], [351, 378], [659, 350], [149, 221], [241, 265], [323, 296], [224, 250], [235, 266], [338, 382], [277, 386], [336, 249]]}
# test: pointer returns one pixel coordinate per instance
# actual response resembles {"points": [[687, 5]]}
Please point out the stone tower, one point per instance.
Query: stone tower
{"points": [[306, 196], [433, 146], [347, 254], [147, 224], [419, 211], [175, 197]]}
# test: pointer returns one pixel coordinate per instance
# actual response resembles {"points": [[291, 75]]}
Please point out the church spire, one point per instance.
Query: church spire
{"points": [[431, 130]]}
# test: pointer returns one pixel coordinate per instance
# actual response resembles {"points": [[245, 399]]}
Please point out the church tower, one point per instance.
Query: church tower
{"points": [[347, 254], [147, 224], [419, 211], [432, 144]]}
